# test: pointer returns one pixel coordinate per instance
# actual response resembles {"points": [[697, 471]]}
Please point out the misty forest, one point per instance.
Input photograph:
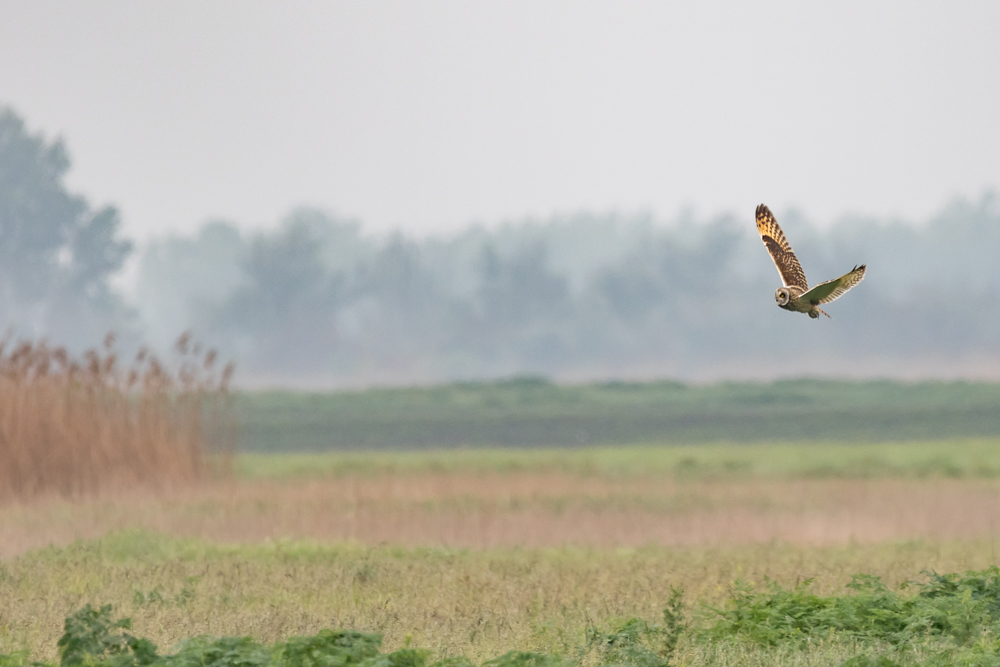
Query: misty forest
{"points": [[317, 301]]}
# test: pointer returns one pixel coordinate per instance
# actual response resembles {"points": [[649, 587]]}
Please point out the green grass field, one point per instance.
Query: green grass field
{"points": [[957, 458], [531, 412]]}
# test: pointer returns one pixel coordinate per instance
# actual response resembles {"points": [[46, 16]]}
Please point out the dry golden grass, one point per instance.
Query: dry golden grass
{"points": [[527, 510], [75, 427], [478, 603], [471, 562]]}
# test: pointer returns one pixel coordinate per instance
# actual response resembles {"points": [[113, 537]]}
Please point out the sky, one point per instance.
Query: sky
{"points": [[428, 116]]}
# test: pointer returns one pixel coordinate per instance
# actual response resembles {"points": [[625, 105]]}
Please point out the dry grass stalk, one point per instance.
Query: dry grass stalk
{"points": [[74, 427], [531, 510]]}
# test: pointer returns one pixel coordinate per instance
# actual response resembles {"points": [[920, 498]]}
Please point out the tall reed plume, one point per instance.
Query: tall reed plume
{"points": [[75, 426]]}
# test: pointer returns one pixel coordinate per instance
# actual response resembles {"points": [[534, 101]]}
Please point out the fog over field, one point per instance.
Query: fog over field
{"points": [[346, 195], [582, 296], [319, 301]]}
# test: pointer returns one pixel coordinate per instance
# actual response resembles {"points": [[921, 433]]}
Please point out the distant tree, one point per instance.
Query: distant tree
{"points": [[56, 253], [282, 317], [522, 311], [400, 314], [182, 279], [520, 288], [590, 296]]}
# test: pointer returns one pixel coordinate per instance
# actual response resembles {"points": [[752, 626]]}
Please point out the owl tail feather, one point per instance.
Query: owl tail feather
{"points": [[825, 313]]}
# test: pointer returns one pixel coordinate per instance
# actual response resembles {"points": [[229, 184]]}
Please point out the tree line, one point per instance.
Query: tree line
{"points": [[317, 300]]}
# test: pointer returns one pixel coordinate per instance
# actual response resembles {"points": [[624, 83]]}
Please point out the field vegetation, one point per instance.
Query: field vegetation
{"points": [[954, 458], [78, 426], [603, 497], [533, 412], [741, 552], [749, 605]]}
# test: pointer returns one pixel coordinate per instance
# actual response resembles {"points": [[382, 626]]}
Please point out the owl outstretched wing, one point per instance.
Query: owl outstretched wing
{"points": [[781, 252], [834, 289]]}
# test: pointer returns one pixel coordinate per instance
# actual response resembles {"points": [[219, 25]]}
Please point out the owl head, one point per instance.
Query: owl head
{"points": [[782, 295]]}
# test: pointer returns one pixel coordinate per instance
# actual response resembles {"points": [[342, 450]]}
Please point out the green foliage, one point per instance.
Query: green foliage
{"points": [[530, 412], [525, 659], [674, 624], [870, 661], [16, 659], [91, 637], [628, 645], [980, 586], [218, 652], [782, 615], [961, 611], [956, 606], [981, 654], [975, 459], [639, 644], [330, 648]]}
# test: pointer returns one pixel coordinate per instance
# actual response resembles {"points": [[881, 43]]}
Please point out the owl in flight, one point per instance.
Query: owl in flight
{"points": [[796, 295]]}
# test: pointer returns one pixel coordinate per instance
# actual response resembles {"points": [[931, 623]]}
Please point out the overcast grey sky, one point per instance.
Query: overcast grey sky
{"points": [[429, 115]]}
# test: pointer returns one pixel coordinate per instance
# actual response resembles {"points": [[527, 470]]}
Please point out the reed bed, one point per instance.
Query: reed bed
{"points": [[76, 426]]}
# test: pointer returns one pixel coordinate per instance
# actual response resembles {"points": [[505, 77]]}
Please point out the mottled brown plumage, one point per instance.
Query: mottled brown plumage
{"points": [[780, 249], [796, 295]]}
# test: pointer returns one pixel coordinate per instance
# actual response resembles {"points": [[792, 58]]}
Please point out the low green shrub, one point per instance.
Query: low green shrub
{"points": [[330, 648], [960, 611], [92, 639], [639, 644]]}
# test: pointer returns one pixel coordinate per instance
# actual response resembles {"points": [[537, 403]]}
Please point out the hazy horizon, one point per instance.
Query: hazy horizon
{"points": [[319, 300], [350, 194]]}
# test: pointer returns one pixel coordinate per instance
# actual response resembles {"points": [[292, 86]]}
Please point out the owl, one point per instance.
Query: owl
{"points": [[795, 295]]}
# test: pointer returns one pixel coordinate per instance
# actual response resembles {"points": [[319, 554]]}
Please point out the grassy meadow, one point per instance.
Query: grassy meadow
{"points": [[475, 603], [474, 553], [565, 555]]}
